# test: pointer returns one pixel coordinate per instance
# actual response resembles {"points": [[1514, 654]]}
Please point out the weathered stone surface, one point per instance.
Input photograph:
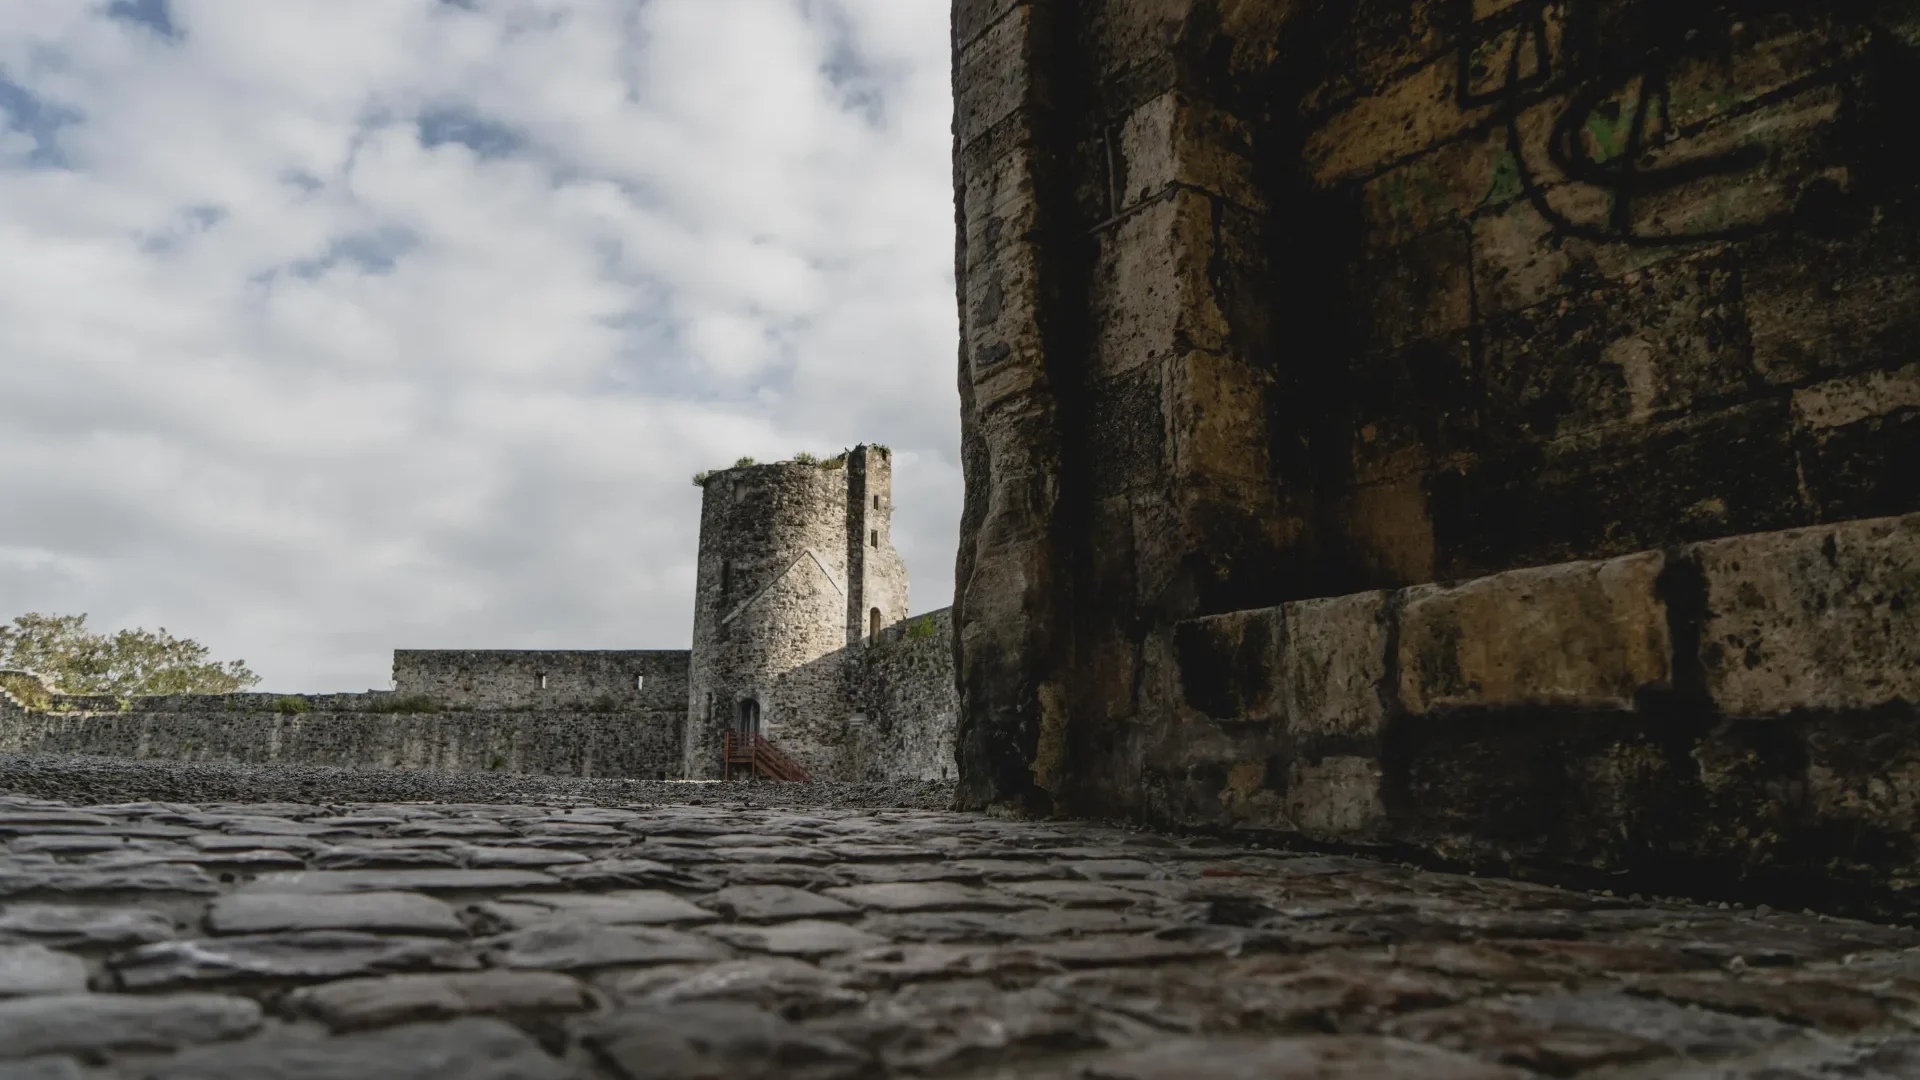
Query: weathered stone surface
{"points": [[1334, 665], [521, 857], [36, 969], [70, 1023], [1272, 310], [353, 1004], [351, 881], [1579, 634], [577, 945], [927, 896], [1122, 942], [58, 924], [310, 954], [367, 858], [630, 907], [802, 937], [470, 1049], [377, 912], [42, 1068], [1824, 618], [768, 903], [631, 873], [80, 880], [713, 1039], [1325, 1055], [934, 1026], [790, 988]]}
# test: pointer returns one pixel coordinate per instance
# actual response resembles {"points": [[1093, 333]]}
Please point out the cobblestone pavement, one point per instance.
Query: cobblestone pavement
{"points": [[488, 942]]}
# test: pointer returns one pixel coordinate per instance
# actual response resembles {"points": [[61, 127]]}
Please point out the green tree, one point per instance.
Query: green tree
{"points": [[125, 663]]}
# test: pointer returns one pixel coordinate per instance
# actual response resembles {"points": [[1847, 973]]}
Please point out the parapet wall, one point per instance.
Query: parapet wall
{"points": [[632, 744], [587, 727], [544, 679]]}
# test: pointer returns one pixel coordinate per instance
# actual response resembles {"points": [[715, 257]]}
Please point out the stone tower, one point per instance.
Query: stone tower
{"points": [[797, 570]]}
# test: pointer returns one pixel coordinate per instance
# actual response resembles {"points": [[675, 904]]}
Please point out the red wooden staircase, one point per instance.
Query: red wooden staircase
{"points": [[759, 758]]}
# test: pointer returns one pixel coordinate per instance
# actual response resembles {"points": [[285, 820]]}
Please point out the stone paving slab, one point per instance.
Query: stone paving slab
{"points": [[509, 941]]}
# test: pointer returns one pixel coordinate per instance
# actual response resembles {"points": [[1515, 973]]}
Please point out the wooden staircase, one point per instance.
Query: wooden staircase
{"points": [[760, 759]]}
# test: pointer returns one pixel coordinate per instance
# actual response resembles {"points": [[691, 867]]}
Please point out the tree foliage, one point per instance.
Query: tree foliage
{"points": [[125, 663]]}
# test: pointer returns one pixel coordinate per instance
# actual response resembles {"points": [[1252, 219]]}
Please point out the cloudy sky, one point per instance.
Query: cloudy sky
{"points": [[331, 326]]}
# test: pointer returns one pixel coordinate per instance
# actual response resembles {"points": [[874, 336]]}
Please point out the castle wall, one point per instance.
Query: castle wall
{"points": [[379, 730], [1262, 303], [907, 703], [647, 680], [786, 560]]}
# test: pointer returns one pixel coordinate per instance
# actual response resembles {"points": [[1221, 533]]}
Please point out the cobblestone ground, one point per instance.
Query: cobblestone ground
{"points": [[488, 942]]}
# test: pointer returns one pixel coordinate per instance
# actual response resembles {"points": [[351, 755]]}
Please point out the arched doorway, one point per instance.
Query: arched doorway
{"points": [[747, 717]]}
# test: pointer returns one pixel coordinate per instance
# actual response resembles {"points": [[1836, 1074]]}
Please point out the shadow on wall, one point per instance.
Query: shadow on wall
{"points": [[899, 707]]}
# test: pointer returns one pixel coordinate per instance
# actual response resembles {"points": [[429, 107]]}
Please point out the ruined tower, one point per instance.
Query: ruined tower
{"points": [[797, 569]]}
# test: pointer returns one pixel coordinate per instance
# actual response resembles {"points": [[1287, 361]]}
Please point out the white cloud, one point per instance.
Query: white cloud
{"points": [[330, 326]]}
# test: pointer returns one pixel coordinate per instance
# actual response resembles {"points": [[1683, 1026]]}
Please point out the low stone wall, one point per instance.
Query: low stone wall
{"points": [[640, 744], [1735, 716], [908, 701], [544, 678]]}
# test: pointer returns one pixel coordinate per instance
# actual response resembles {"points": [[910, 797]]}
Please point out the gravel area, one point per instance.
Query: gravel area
{"points": [[101, 779]]}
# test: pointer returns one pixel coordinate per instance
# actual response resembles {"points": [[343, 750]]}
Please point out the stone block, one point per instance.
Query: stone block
{"points": [[1005, 352], [1388, 531], [1616, 491], [1336, 798], [1334, 668], [1655, 343], [1172, 139], [1216, 419], [1416, 406], [971, 18], [997, 200], [1134, 33], [1230, 665], [1584, 634], [995, 75], [1821, 618], [1420, 290], [1126, 416], [1407, 116], [1151, 294], [1854, 398]]}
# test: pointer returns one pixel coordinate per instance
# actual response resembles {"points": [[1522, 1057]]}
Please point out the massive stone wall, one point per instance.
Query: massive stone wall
{"points": [[906, 702], [1265, 302], [379, 730], [646, 680], [1736, 716]]}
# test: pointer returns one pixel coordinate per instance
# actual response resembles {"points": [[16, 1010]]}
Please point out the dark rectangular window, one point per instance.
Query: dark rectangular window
{"points": [[873, 538]]}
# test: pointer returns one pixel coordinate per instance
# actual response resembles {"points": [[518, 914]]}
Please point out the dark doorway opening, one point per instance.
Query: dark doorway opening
{"points": [[747, 718]]}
